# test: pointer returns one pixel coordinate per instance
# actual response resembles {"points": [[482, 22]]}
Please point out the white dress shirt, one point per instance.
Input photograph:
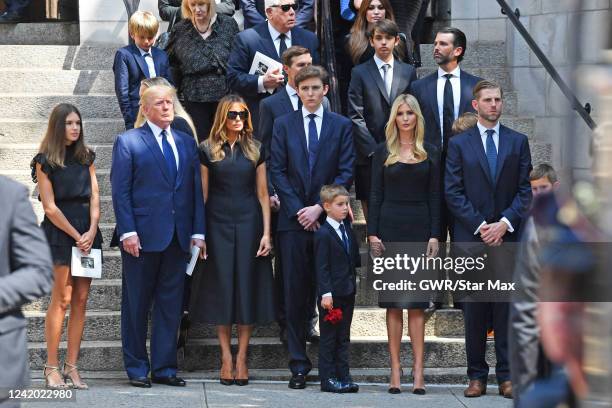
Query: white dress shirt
{"points": [[275, 35], [149, 60], [336, 226], [380, 63], [318, 121], [293, 96], [483, 137], [456, 84], [158, 138]]}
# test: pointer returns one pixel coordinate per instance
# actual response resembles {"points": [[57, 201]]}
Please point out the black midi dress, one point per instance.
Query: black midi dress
{"points": [[72, 193], [233, 286], [404, 204]]}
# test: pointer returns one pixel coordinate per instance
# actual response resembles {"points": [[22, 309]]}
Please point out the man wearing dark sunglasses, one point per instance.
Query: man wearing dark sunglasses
{"points": [[255, 12], [270, 38]]}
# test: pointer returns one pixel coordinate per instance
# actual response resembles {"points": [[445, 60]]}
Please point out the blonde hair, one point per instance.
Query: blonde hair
{"points": [[188, 15], [218, 133], [143, 23], [359, 40], [329, 192], [392, 133], [465, 121], [178, 108]]}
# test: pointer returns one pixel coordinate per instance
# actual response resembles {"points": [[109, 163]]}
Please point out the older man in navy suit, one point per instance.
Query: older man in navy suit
{"points": [[159, 206], [488, 193], [311, 147], [271, 39]]}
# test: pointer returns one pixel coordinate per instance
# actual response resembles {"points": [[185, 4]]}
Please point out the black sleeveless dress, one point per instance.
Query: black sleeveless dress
{"points": [[72, 191]]}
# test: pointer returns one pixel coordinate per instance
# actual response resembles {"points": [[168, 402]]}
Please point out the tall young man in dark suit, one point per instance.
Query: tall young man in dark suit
{"points": [[310, 148], [159, 206], [138, 61], [374, 86], [445, 95], [284, 101], [26, 273], [255, 13], [271, 38], [488, 193]]}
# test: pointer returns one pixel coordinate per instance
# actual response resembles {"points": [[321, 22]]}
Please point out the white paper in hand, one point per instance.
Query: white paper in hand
{"points": [[87, 266], [195, 252], [262, 63]]}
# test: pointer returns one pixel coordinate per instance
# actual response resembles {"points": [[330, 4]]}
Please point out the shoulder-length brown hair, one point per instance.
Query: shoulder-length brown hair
{"points": [[392, 133], [53, 145], [218, 133], [359, 40]]}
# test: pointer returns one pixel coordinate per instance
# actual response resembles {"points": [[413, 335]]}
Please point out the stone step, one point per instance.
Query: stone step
{"points": [[57, 57], [13, 131], [19, 156], [441, 376], [77, 82], [485, 53], [367, 321], [39, 106], [269, 353], [51, 33]]}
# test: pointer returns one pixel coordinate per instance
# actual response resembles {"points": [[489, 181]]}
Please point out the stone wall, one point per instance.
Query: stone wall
{"points": [[550, 23]]}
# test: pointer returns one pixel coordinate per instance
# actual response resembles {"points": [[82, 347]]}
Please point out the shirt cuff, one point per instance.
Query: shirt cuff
{"points": [[127, 235], [198, 236], [260, 84], [507, 221], [328, 294], [479, 227]]}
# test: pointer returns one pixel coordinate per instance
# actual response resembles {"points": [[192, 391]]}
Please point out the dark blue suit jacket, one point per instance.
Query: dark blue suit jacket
{"points": [[335, 267], [130, 68], [291, 177], [471, 194], [246, 44], [145, 200], [426, 92], [255, 13]]}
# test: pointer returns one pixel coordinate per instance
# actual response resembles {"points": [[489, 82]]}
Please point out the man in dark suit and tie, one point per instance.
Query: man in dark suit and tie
{"points": [[285, 101], [254, 12], [271, 38], [159, 206], [138, 61], [488, 193], [310, 148], [374, 86], [26, 273], [445, 95]]}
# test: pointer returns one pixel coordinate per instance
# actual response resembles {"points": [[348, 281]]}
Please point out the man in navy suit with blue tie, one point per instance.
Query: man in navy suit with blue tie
{"points": [[159, 206], [136, 62], [488, 193], [311, 147], [270, 38]]}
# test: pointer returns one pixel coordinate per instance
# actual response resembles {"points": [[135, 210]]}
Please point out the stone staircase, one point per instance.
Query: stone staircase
{"points": [[82, 75]]}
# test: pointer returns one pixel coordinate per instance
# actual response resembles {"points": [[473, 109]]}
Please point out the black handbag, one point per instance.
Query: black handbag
{"points": [[164, 39]]}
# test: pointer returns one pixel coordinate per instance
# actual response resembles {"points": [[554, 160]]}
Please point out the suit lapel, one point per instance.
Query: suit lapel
{"points": [[180, 148], [285, 101], [398, 78], [373, 70], [466, 93], [334, 234], [432, 89], [476, 143], [502, 150], [267, 43], [140, 61], [323, 136], [146, 134], [156, 58]]}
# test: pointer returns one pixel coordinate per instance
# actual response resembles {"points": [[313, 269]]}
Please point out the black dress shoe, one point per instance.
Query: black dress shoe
{"points": [[394, 390], [353, 387], [335, 386], [141, 382], [297, 382], [419, 391], [242, 382], [172, 381], [226, 381], [10, 17]]}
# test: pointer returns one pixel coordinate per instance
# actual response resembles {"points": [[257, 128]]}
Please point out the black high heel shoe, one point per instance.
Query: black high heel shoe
{"points": [[418, 391], [396, 390]]}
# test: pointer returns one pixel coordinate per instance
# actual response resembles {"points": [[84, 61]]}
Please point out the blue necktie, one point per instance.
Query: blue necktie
{"points": [[169, 156], [313, 141], [344, 238], [491, 154]]}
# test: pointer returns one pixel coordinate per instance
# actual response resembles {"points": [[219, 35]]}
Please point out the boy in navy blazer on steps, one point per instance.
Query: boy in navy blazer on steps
{"points": [[336, 252], [136, 62]]}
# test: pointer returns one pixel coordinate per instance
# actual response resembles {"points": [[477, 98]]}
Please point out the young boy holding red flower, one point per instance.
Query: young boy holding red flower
{"points": [[336, 257]]}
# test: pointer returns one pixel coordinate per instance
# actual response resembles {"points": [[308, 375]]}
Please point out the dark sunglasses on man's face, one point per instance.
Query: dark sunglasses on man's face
{"points": [[235, 114], [286, 7]]}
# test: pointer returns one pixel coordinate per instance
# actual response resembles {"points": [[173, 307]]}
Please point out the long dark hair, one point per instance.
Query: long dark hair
{"points": [[53, 145], [359, 40]]}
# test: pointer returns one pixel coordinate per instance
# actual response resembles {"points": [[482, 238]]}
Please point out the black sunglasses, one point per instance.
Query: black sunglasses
{"points": [[244, 115], [286, 7]]}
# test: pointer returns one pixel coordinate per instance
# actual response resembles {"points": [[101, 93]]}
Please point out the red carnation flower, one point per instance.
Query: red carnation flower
{"points": [[333, 316]]}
